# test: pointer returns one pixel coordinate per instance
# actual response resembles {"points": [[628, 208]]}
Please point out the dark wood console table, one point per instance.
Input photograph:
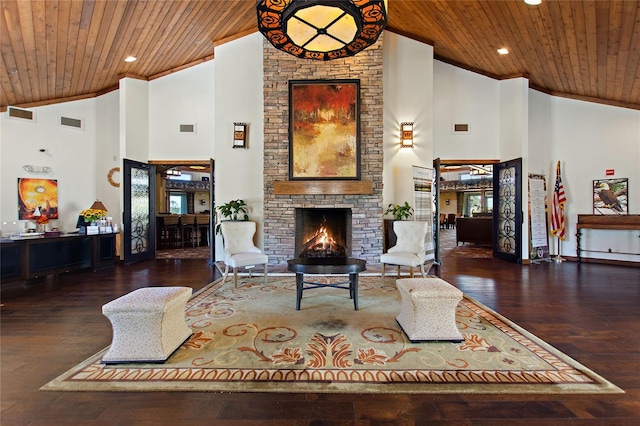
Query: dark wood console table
{"points": [[610, 222], [327, 266], [28, 258]]}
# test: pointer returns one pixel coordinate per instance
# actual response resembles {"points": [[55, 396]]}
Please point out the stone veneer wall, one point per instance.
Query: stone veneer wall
{"points": [[279, 68]]}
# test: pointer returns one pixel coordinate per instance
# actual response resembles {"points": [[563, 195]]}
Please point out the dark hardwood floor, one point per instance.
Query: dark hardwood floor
{"points": [[591, 312]]}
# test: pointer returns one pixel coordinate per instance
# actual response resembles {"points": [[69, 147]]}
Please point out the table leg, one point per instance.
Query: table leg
{"points": [[353, 289], [299, 284]]}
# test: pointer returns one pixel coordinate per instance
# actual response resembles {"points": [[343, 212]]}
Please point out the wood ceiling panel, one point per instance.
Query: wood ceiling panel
{"points": [[59, 49], [13, 43]]}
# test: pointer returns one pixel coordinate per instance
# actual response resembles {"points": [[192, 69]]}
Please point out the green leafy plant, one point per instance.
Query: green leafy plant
{"points": [[233, 210], [400, 212]]}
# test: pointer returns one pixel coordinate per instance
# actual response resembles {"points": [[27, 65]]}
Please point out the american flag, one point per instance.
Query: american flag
{"points": [[557, 214]]}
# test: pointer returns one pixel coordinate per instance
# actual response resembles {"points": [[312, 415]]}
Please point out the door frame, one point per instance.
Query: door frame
{"points": [[437, 164], [210, 164]]}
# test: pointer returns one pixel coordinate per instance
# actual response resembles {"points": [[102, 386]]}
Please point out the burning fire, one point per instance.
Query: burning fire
{"points": [[323, 244]]}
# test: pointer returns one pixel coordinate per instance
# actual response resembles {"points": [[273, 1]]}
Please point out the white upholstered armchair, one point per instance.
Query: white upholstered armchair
{"points": [[239, 249], [409, 249]]}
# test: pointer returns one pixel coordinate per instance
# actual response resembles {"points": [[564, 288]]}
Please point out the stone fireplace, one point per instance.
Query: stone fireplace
{"points": [[365, 206], [322, 233]]}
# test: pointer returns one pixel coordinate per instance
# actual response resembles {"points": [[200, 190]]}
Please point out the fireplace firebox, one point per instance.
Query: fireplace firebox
{"points": [[323, 232]]}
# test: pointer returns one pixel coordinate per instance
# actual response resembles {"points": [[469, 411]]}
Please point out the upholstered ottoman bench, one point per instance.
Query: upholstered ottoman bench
{"points": [[148, 324], [428, 310]]}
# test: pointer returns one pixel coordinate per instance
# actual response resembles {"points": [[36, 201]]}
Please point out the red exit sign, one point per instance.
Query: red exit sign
{"points": [[610, 172]]}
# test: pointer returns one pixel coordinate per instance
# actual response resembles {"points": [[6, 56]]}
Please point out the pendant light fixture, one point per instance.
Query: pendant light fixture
{"points": [[321, 29]]}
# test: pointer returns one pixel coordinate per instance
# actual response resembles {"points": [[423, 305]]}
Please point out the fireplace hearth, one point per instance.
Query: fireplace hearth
{"points": [[323, 232]]}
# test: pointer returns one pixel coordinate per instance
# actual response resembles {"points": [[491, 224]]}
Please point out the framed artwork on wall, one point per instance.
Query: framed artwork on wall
{"points": [[324, 129], [610, 196], [239, 135], [37, 198]]}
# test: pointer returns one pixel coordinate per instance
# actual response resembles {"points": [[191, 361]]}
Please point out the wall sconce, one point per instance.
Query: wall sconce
{"points": [[37, 169], [322, 29], [239, 135], [406, 135], [446, 201]]}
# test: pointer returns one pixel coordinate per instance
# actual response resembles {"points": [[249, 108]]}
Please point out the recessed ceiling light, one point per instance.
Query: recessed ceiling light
{"points": [[503, 51], [130, 59], [533, 2]]}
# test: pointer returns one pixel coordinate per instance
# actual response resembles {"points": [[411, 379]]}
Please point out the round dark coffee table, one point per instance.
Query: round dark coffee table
{"points": [[327, 266]]}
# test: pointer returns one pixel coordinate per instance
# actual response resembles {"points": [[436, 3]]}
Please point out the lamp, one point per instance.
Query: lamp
{"points": [[321, 29], [406, 135], [97, 205]]}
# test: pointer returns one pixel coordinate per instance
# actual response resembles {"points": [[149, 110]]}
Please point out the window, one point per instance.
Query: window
{"points": [[477, 202], [178, 203]]}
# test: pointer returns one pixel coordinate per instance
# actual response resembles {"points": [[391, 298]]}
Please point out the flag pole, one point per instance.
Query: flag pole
{"points": [[559, 258], [557, 215]]}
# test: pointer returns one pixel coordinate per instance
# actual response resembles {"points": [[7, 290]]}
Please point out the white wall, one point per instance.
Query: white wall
{"points": [[185, 97], [408, 95], [239, 98], [134, 119], [540, 134], [514, 139], [513, 118], [588, 139], [464, 97], [70, 152], [108, 153]]}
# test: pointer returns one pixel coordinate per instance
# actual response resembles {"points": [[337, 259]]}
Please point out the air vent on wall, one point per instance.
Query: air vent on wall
{"points": [[460, 128], [21, 114], [187, 128], [76, 123]]}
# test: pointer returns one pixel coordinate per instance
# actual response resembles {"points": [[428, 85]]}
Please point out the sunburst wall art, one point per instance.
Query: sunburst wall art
{"points": [[36, 198]]}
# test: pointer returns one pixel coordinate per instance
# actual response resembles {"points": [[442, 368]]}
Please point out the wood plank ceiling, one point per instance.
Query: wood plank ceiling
{"points": [[60, 50]]}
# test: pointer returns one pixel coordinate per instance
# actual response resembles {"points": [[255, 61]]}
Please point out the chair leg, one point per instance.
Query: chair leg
{"points": [[235, 277], [424, 275], [411, 271], [226, 273], [383, 273], [265, 274]]}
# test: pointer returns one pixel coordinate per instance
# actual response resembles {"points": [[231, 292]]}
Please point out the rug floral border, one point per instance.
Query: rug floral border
{"points": [[565, 376]]}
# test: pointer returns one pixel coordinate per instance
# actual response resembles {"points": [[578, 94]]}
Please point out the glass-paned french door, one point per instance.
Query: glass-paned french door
{"points": [[139, 211], [507, 212]]}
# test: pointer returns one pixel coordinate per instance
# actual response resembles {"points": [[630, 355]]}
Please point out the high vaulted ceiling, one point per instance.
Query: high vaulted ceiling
{"points": [[60, 50]]}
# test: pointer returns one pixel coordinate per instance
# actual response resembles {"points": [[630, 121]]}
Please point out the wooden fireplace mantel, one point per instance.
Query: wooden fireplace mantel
{"points": [[322, 187]]}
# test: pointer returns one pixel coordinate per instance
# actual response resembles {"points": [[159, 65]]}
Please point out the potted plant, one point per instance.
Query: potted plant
{"points": [[399, 212], [233, 210]]}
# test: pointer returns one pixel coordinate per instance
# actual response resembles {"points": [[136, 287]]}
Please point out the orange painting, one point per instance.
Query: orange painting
{"points": [[37, 195], [324, 129]]}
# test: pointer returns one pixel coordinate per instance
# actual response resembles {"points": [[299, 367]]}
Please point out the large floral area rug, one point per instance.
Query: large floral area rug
{"points": [[252, 339]]}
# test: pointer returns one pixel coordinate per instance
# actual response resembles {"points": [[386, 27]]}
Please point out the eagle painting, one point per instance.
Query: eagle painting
{"points": [[610, 195]]}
